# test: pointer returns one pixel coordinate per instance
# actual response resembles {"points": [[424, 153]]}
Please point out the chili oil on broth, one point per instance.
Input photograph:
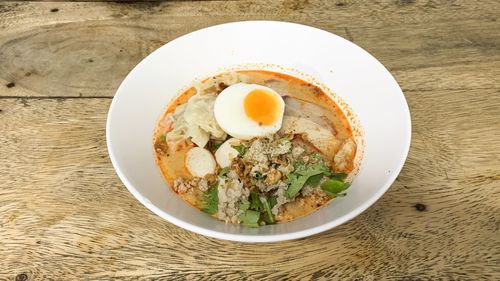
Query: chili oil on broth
{"points": [[305, 91], [172, 163]]}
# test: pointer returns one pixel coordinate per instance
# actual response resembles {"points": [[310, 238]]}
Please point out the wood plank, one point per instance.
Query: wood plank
{"points": [[64, 214], [86, 49]]}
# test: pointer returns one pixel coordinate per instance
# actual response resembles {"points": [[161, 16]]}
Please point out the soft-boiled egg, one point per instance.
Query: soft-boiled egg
{"points": [[226, 153], [246, 111], [200, 162]]}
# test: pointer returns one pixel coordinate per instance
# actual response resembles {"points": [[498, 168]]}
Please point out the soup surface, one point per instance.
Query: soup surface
{"points": [[255, 147]]}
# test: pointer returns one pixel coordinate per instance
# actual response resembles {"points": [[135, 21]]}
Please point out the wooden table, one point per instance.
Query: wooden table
{"points": [[65, 215]]}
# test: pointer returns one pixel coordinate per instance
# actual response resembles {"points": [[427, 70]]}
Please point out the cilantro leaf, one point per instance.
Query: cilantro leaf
{"points": [[316, 157], [267, 209], [223, 172], [163, 138], [261, 204], [242, 149], [296, 182], [339, 176], [304, 169], [314, 180], [244, 205], [273, 200], [211, 200], [255, 203], [333, 187], [302, 173], [250, 218]]}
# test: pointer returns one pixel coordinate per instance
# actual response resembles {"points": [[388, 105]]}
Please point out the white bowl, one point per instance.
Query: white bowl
{"points": [[353, 74]]}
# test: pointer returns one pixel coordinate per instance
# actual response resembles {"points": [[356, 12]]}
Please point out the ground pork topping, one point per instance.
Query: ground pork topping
{"points": [[230, 192], [267, 174]]}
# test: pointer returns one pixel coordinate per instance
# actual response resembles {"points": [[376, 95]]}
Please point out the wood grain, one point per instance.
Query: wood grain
{"points": [[85, 49], [64, 214]]}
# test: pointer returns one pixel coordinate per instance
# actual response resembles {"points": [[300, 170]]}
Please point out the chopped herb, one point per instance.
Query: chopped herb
{"points": [[312, 169], [295, 184], [241, 149], [211, 200], [255, 203], [301, 174], [259, 176], [267, 209], [339, 176], [273, 200], [299, 165], [163, 138], [250, 218], [314, 180], [244, 205], [223, 172], [260, 204], [333, 187]]}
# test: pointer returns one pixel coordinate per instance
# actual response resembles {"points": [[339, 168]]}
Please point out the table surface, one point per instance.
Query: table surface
{"points": [[64, 214]]}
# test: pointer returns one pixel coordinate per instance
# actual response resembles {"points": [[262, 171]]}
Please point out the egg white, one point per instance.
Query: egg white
{"points": [[230, 113]]}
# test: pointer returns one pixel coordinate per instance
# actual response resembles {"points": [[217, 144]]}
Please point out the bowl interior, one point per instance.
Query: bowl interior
{"points": [[353, 74]]}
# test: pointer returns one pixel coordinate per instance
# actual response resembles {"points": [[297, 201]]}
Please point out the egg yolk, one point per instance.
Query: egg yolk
{"points": [[261, 106]]}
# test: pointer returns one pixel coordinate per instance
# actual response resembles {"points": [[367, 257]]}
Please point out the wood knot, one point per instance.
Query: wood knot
{"points": [[54, 10], [22, 277], [420, 207], [11, 84]]}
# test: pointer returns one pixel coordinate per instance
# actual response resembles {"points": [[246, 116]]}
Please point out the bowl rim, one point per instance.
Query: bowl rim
{"points": [[265, 237]]}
